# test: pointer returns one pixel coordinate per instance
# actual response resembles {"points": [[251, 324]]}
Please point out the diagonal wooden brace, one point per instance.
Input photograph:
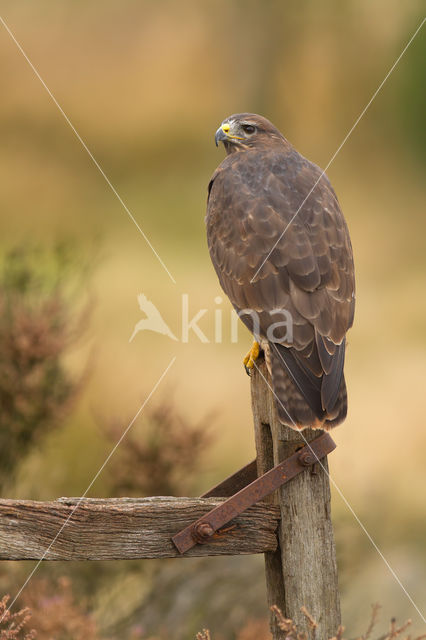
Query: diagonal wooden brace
{"points": [[201, 530], [234, 483]]}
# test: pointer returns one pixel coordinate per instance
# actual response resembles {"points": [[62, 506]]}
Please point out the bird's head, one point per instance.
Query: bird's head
{"points": [[243, 131]]}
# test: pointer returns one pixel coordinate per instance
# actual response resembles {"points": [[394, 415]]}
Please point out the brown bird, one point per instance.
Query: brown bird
{"points": [[280, 246]]}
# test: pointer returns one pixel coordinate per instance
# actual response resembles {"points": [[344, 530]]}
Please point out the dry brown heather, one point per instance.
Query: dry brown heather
{"points": [[256, 629], [12, 625], [54, 613]]}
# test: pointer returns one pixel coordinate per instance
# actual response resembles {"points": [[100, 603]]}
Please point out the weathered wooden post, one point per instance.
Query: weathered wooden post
{"points": [[303, 570]]}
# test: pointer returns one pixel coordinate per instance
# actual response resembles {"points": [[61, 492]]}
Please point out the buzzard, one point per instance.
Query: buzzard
{"points": [[280, 245]]}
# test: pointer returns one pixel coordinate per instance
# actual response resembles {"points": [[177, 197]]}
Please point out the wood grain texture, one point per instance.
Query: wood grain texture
{"points": [[125, 528], [303, 570]]}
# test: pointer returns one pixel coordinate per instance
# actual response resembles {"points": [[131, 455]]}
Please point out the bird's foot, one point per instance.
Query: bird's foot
{"points": [[251, 357]]}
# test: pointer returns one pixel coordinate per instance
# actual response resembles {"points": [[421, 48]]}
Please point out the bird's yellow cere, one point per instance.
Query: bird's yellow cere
{"points": [[226, 128]]}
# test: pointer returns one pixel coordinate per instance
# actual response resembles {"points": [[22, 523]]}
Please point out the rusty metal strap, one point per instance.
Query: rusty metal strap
{"points": [[201, 530]]}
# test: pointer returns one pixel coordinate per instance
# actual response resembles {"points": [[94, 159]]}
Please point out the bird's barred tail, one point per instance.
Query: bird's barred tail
{"points": [[293, 409]]}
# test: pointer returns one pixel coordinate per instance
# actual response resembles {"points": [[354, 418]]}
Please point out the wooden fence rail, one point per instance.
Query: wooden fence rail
{"points": [[125, 528]]}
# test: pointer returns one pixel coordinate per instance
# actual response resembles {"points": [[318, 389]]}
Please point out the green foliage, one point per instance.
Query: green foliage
{"points": [[411, 100]]}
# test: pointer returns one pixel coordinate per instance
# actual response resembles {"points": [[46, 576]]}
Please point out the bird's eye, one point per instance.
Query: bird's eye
{"points": [[248, 128]]}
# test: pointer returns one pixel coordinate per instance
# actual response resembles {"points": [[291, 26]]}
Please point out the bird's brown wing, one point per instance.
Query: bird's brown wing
{"points": [[253, 196]]}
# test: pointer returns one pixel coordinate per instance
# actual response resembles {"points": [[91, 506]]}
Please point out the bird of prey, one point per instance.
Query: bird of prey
{"points": [[279, 242]]}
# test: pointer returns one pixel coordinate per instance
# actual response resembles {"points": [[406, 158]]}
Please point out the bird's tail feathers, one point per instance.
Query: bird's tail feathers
{"points": [[298, 393]]}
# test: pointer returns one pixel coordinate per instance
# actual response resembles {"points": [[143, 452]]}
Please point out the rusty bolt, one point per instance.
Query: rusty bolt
{"points": [[307, 458], [202, 532]]}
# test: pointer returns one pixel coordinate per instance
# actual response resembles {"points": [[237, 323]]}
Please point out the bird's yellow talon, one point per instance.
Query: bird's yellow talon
{"points": [[251, 357]]}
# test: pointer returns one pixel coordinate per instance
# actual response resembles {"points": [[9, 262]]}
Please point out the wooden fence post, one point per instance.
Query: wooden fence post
{"points": [[303, 570]]}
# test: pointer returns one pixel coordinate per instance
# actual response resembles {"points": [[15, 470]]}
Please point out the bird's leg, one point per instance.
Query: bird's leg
{"points": [[251, 357]]}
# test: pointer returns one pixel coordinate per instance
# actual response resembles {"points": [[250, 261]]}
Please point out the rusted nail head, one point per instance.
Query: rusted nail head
{"points": [[307, 458], [202, 532]]}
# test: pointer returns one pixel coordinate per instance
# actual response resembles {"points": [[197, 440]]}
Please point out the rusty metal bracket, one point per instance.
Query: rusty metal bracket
{"points": [[201, 530]]}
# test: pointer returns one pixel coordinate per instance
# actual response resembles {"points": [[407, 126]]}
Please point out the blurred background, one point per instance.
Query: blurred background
{"points": [[146, 85]]}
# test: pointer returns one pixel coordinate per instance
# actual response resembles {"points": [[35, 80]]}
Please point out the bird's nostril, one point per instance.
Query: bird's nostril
{"points": [[225, 128]]}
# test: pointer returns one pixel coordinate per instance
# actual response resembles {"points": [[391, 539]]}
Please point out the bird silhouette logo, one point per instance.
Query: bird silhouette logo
{"points": [[153, 320]]}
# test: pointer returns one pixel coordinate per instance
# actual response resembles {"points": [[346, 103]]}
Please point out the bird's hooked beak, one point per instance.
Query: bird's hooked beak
{"points": [[224, 134], [221, 134]]}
